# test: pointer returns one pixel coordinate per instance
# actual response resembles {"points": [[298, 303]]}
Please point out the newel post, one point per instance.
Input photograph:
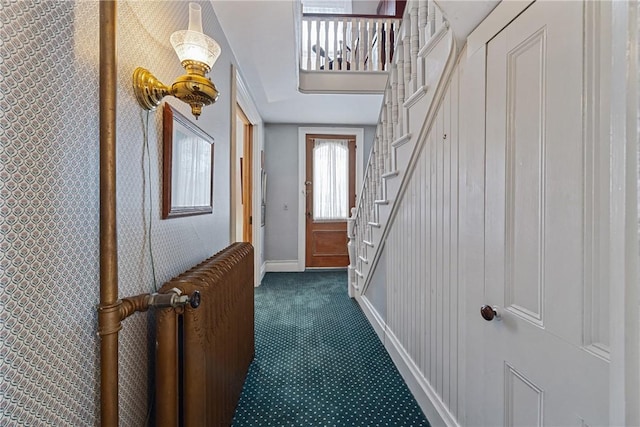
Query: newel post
{"points": [[351, 247]]}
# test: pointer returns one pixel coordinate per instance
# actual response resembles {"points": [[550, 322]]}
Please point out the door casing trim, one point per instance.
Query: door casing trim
{"points": [[302, 171], [245, 101]]}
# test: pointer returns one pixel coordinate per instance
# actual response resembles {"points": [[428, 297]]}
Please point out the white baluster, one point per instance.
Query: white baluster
{"points": [[407, 58], [388, 96], [361, 51], [394, 98], [373, 30], [401, 88], [365, 30], [318, 45], [380, 163], [307, 24], [334, 33], [384, 148], [370, 172], [326, 45], [383, 162], [394, 93], [379, 166], [369, 64], [374, 182], [379, 139], [385, 129], [363, 214], [431, 18], [351, 248], [415, 48], [355, 43], [381, 145], [375, 172], [355, 46], [374, 197], [345, 48], [422, 21]]}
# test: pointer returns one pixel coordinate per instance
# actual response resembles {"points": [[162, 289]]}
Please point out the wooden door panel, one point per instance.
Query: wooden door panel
{"points": [[329, 242]]}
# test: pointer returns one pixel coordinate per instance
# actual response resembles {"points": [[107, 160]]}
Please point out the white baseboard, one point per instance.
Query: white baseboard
{"points": [[434, 409], [281, 266], [263, 270], [376, 321]]}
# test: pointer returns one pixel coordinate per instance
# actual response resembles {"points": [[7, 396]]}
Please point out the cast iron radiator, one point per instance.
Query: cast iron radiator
{"points": [[203, 353]]}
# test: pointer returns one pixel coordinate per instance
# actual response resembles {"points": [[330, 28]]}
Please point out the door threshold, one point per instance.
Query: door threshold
{"points": [[312, 269]]}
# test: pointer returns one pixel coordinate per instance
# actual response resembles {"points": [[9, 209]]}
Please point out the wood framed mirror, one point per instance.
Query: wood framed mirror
{"points": [[187, 171]]}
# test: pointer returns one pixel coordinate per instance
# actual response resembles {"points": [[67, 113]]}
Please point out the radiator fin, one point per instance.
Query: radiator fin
{"points": [[217, 341]]}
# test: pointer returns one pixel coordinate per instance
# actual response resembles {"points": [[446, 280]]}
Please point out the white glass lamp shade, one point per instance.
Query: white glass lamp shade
{"points": [[192, 44]]}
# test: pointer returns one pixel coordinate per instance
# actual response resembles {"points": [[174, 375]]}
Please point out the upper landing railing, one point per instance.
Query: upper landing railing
{"points": [[347, 42]]}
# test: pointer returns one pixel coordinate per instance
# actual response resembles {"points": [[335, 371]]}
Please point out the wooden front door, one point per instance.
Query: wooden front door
{"points": [[545, 357], [330, 195]]}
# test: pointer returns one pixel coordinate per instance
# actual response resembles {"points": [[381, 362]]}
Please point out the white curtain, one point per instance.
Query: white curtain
{"points": [[191, 171], [330, 179]]}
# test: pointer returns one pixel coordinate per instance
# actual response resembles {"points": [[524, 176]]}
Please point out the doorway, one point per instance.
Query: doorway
{"points": [[329, 197], [242, 178]]}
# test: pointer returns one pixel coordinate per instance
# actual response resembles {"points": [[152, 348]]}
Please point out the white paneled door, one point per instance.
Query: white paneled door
{"points": [[542, 364]]}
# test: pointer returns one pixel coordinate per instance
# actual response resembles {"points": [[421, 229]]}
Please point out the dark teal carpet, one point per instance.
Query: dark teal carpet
{"points": [[318, 361]]}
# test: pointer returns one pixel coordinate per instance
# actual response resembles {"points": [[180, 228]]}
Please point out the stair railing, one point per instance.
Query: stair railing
{"points": [[421, 26]]}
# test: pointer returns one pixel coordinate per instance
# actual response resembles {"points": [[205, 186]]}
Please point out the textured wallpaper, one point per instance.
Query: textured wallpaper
{"points": [[49, 202]]}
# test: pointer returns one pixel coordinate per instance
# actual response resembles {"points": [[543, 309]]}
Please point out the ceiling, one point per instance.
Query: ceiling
{"points": [[261, 35]]}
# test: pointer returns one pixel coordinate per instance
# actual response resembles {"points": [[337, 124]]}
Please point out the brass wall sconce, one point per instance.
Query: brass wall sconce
{"points": [[197, 53]]}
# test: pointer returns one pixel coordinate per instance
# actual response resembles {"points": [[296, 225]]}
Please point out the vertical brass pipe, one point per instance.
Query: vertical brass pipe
{"points": [[108, 310]]}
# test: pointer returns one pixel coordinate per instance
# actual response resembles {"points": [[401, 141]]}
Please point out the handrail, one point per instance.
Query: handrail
{"points": [[345, 15]]}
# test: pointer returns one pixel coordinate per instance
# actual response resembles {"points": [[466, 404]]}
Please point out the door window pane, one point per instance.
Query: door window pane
{"points": [[330, 179]]}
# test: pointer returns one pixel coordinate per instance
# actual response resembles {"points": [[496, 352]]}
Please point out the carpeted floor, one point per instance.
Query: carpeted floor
{"points": [[318, 361]]}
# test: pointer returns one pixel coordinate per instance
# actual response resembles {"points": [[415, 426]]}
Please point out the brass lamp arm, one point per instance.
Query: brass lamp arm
{"points": [[193, 88]]}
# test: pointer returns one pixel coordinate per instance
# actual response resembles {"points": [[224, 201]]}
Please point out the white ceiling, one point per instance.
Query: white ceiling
{"points": [[262, 36]]}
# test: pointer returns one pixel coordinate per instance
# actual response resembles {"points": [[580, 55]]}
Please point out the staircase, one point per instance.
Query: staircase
{"points": [[425, 55]]}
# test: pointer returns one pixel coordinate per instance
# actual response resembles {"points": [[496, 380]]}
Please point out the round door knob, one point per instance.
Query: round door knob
{"points": [[489, 313]]}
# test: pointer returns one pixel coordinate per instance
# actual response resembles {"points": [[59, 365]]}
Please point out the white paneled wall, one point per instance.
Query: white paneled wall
{"points": [[423, 288]]}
